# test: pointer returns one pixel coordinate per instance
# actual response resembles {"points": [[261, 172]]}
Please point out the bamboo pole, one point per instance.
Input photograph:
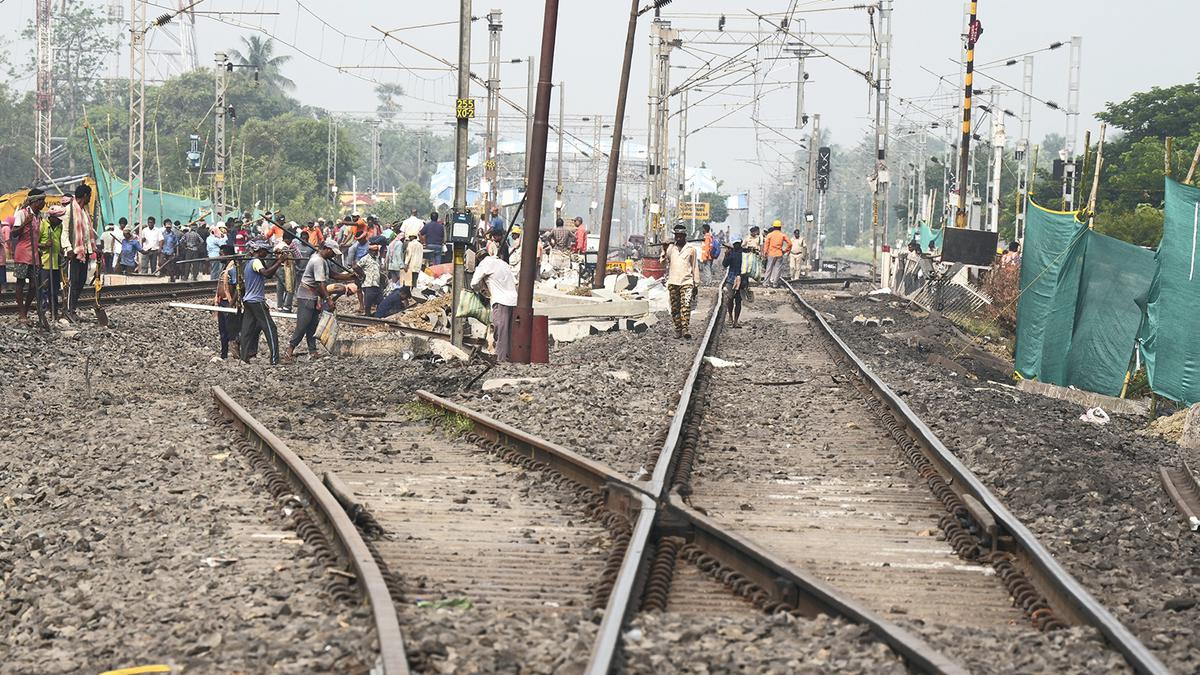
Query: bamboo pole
{"points": [[1192, 169], [1091, 205]]}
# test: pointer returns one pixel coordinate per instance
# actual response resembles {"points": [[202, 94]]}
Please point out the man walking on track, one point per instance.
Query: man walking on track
{"points": [[683, 280], [775, 247], [255, 317], [798, 257]]}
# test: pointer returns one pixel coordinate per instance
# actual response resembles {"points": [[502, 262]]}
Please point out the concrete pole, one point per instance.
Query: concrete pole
{"points": [[461, 142], [558, 186]]}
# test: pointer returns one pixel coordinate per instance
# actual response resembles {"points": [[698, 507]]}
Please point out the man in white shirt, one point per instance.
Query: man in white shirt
{"points": [[412, 226], [496, 276], [683, 279], [152, 241], [112, 246]]}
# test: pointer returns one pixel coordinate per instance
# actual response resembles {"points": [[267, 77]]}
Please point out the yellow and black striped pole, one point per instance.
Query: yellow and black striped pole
{"points": [[974, 28]]}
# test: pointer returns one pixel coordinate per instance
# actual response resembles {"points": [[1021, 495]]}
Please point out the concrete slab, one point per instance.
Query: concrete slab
{"points": [[501, 382], [1110, 404]]}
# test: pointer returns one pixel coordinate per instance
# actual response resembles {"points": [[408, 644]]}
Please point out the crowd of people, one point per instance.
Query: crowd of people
{"points": [[315, 264], [742, 259]]}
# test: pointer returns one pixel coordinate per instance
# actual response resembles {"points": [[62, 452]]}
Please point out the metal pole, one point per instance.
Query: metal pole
{"points": [[801, 76], [44, 98], [682, 190], [522, 328], [960, 218], [614, 155], [493, 111], [885, 93], [137, 106], [994, 168], [1022, 155], [461, 141], [810, 190], [220, 109], [530, 92], [558, 185]]}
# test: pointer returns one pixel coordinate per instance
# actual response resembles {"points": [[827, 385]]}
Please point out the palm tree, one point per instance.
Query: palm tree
{"points": [[260, 54], [388, 93]]}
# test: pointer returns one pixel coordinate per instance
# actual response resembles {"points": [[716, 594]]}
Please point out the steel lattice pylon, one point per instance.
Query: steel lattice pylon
{"points": [[137, 106], [44, 102]]}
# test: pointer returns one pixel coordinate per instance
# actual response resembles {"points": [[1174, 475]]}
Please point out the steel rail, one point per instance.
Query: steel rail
{"points": [[797, 588], [651, 508], [337, 526], [136, 293], [621, 496], [658, 485], [1183, 488], [1062, 590]]}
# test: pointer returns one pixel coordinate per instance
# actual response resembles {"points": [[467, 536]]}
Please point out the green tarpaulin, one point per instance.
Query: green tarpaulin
{"points": [[1171, 334], [1078, 314], [924, 235], [113, 200]]}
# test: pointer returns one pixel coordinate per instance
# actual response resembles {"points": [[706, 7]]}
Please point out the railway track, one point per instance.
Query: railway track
{"points": [[455, 507], [1183, 487], [111, 295]]}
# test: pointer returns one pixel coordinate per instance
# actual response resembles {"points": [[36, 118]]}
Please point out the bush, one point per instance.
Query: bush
{"points": [[1003, 284]]}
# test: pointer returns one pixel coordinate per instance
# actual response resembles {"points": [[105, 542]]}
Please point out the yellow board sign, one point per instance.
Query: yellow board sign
{"points": [[464, 108], [697, 210]]}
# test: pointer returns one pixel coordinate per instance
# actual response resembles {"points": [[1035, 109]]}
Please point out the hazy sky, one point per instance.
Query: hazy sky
{"points": [[1126, 47]]}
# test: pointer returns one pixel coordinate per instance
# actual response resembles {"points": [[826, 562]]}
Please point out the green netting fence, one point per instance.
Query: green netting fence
{"points": [[1078, 314], [1171, 329], [113, 200]]}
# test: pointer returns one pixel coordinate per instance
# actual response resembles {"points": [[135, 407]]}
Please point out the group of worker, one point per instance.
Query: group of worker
{"points": [[44, 243]]}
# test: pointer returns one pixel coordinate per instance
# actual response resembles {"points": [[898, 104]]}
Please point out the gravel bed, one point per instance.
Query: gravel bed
{"points": [[1090, 493], [110, 502], [607, 397], [493, 641], [1022, 649], [673, 643]]}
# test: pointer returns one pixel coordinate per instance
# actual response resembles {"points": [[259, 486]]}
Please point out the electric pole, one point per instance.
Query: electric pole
{"points": [[614, 156], [489, 190], [681, 179], [1072, 122], [331, 154], [1022, 153], [558, 187], [999, 139], [44, 101], [220, 109], [376, 157], [530, 92], [883, 52], [137, 106], [810, 190], [461, 142], [974, 28], [522, 327]]}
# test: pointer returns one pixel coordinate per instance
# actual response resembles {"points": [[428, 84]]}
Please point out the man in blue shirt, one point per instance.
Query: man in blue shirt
{"points": [[735, 281], [130, 248], [435, 239], [212, 244], [255, 316], [170, 249], [497, 222]]}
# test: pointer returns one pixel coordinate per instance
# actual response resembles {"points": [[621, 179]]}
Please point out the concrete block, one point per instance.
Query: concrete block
{"points": [[501, 382], [382, 344], [598, 327], [1110, 404], [1191, 428], [448, 351], [569, 331]]}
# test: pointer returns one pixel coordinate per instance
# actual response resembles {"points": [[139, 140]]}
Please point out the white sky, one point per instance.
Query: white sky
{"points": [[1127, 47]]}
